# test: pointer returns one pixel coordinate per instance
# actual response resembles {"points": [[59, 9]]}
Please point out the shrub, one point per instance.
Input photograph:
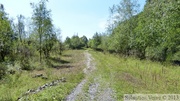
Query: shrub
{"points": [[25, 65], [3, 69]]}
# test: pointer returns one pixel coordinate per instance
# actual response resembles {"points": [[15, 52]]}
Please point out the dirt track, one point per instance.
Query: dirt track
{"points": [[95, 92]]}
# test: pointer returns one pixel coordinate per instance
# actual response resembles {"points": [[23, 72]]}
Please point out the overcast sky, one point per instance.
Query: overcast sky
{"points": [[84, 17]]}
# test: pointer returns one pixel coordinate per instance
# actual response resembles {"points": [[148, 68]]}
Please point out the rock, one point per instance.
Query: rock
{"points": [[44, 77], [40, 88], [47, 84], [63, 79], [50, 84], [19, 98], [44, 86], [33, 91], [38, 75]]}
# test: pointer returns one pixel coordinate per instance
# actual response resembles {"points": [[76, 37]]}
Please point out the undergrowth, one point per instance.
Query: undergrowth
{"points": [[133, 76]]}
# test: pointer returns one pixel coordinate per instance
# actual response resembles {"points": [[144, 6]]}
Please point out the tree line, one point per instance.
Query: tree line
{"points": [[153, 33], [76, 42], [28, 37]]}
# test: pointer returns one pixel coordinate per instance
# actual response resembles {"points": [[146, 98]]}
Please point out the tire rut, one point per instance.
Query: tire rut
{"points": [[89, 68], [96, 92]]}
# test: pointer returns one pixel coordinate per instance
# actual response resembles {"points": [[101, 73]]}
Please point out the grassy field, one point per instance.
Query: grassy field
{"points": [[69, 66], [133, 76], [123, 75]]}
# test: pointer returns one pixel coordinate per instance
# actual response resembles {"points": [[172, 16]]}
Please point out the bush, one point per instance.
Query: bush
{"points": [[25, 65], [3, 69]]}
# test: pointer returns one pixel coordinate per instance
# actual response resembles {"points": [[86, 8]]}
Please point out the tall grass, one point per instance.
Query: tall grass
{"points": [[133, 76], [68, 65]]}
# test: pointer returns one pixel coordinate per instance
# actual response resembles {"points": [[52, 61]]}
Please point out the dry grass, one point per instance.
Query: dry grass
{"points": [[69, 66]]}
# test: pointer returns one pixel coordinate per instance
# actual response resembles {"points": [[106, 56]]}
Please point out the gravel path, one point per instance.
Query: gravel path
{"points": [[76, 91], [94, 93], [106, 95], [93, 90], [89, 67]]}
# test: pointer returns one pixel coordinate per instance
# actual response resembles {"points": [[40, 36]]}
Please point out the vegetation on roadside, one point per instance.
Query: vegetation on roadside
{"points": [[151, 34], [68, 65], [31, 55], [133, 76], [29, 42]]}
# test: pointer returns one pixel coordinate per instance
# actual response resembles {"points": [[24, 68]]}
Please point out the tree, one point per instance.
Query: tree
{"points": [[49, 37], [6, 34], [105, 42], [113, 20], [84, 41], [58, 45], [152, 33], [96, 41], [75, 42], [21, 27], [125, 12], [160, 26], [67, 42], [42, 21], [6, 40]]}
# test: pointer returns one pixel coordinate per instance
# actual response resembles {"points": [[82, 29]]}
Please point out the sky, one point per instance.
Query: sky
{"points": [[73, 17]]}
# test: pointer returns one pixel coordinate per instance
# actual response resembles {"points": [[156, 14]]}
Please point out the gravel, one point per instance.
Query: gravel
{"points": [[93, 90], [78, 89], [94, 93]]}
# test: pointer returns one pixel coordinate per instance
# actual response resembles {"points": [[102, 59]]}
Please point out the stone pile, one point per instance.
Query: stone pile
{"points": [[40, 75], [33, 91]]}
